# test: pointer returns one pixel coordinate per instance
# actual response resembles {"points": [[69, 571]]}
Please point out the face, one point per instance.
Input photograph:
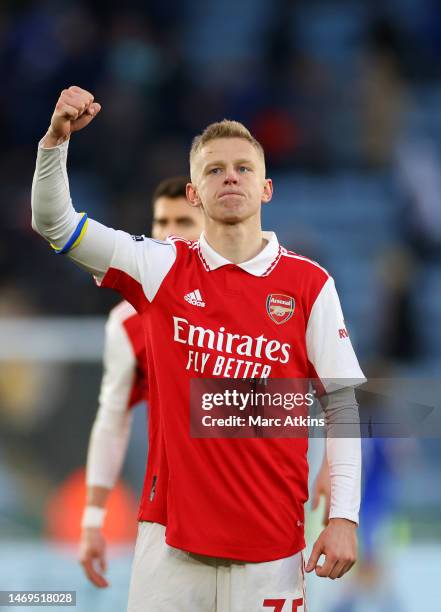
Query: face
{"points": [[228, 181], [174, 216]]}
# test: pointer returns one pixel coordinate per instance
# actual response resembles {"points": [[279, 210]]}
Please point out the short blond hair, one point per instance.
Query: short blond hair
{"points": [[224, 129]]}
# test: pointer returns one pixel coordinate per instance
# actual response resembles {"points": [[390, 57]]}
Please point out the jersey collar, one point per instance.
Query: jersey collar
{"points": [[260, 265]]}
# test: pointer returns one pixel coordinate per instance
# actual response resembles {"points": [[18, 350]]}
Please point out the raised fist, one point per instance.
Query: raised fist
{"points": [[74, 110]]}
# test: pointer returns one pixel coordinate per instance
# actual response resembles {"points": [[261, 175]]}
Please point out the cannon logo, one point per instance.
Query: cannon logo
{"points": [[279, 307]]}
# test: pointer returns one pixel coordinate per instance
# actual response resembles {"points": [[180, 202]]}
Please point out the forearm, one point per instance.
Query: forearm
{"points": [[54, 217], [107, 450], [343, 450]]}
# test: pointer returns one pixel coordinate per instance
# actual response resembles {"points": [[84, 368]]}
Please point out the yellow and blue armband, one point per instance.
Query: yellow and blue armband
{"points": [[75, 239]]}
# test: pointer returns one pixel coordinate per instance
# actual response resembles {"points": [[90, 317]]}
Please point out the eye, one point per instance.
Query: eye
{"points": [[215, 170], [244, 169]]}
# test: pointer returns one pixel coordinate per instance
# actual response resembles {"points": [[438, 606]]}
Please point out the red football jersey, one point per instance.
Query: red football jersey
{"points": [[275, 316]]}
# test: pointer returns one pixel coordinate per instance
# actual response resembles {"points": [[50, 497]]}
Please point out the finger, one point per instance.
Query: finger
{"points": [[346, 568], [84, 120], [337, 569], [95, 577], [67, 111], [343, 570], [88, 570], [73, 89], [325, 570], [93, 109], [81, 103], [315, 556]]}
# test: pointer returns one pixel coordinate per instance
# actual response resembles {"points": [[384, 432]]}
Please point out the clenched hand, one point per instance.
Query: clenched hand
{"points": [[74, 110]]}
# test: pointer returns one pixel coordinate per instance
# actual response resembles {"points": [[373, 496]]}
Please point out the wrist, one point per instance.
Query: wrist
{"points": [[93, 516], [343, 521], [50, 140]]}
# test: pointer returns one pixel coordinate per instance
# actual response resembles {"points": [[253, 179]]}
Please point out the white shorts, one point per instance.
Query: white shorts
{"points": [[166, 579]]}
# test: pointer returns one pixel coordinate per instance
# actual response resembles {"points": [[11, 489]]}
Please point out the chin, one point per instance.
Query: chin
{"points": [[232, 214], [232, 220], [232, 217]]}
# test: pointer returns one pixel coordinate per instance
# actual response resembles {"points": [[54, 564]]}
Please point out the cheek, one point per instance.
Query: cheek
{"points": [[208, 188], [253, 185]]}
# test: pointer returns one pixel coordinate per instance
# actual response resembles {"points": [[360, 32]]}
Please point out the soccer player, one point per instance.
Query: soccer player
{"points": [[124, 383], [233, 304]]}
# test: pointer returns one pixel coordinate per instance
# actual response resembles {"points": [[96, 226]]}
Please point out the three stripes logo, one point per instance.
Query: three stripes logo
{"points": [[195, 298]]}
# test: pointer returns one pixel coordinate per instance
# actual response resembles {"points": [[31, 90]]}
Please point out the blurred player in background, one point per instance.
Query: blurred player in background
{"points": [[369, 588], [235, 516], [124, 383]]}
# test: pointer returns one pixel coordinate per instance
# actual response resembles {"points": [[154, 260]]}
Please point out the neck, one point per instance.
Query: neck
{"points": [[238, 242]]}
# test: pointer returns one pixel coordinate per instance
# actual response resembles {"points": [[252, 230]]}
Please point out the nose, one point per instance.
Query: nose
{"points": [[231, 177]]}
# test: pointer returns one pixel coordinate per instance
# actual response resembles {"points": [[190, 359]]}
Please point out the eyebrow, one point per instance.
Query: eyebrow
{"points": [[177, 220]]}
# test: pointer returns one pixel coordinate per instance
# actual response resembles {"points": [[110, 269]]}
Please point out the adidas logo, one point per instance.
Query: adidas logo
{"points": [[195, 298]]}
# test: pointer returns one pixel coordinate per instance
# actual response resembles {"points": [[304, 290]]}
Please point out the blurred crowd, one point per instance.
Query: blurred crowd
{"points": [[326, 86]]}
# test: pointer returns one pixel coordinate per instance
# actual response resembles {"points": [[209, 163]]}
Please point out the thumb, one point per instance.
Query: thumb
{"points": [[315, 556]]}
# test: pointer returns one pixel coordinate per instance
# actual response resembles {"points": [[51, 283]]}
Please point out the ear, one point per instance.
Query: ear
{"points": [[192, 195], [267, 191]]}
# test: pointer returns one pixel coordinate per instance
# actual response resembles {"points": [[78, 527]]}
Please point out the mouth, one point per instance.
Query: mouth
{"points": [[230, 193]]}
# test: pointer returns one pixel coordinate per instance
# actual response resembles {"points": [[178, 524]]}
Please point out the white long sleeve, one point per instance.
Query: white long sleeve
{"points": [[98, 247], [343, 448], [330, 352], [54, 217], [111, 429]]}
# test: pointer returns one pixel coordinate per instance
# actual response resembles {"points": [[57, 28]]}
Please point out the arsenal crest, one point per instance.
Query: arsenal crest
{"points": [[280, 307]]}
